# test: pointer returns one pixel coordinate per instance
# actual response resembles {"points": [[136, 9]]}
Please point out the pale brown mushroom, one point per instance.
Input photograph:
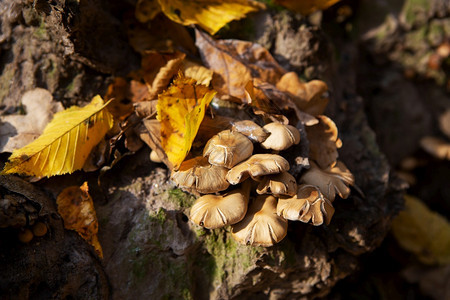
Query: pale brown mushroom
{"points": [[154, 157], [257, 165], [228, 148], [198, 175], [211, 211], [278, 184], [261, 225], [251, 130], [307, 205], [331, 181], [323, 142], [281, 136]]}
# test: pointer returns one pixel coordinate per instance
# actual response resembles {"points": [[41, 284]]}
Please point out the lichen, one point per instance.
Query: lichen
{"points": [[180, 198]]}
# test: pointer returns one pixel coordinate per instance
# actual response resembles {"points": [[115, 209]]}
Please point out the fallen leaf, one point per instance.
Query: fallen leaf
{"points": [[119, 93], [180, 110], [16, 131], [65, 143], [323, 142], [423, 232], [306, 7], [436, 147], [310, 97], [198, 72], [211, 15], [444, 123], [157, 70], [78, 213], [149, 131], [235, 63]]}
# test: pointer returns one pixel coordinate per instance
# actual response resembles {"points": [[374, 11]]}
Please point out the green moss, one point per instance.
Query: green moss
{"points": [[182, 199], [159, 216], [416, 11], [41, 32]]}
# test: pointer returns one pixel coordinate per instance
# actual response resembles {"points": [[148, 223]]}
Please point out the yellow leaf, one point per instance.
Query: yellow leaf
{"points": [[198, 72], [77, 210], [423, 232], [180, 110], [211, 15], [65, 143], [306, 7]]}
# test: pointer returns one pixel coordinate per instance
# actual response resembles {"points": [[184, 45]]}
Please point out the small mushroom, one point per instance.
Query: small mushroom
{"points": [[251, 130], [307, 205], [154, 157], [198, 175], [213, 211], [261, 225], [257, 165], [278, 184], [330, 181], [228, 148], [39, 229], [25, 235], [281, 136]]}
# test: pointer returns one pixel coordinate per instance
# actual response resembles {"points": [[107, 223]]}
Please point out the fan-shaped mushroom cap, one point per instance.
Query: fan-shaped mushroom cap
{"points": [[281, 136], [257, 165], [213, 211], [323, 142], [228, 148], [307, 205], [251, 130], [330, 182], [278, 184], [198, 175], [261, 225]]}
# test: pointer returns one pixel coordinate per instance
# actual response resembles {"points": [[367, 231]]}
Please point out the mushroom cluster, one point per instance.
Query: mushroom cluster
{"points": [[260, 195]]}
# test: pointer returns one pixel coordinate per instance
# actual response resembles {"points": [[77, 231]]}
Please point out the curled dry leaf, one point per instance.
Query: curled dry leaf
{"points": [[323, 142], [251, 130], [65, 143], [306, 7], [213, 211], [308, 205], [331, 181], [78, 213], [228, 148], [181, 109], [257, 165], [157, 70], [261, 225], [310, 97], [197, 175], [122, 95], [211, 15], [277, 185], [149, 131], [281, 136], [235, 63], [436, 147]]}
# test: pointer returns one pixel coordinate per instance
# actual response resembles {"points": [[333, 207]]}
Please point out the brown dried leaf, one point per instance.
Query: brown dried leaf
{"points": [[150, 132], [77, 210], [235, 63], [309, 97], [324, 142]]}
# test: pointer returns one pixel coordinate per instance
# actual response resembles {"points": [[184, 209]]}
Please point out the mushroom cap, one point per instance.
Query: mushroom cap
{"points": [[211, 211], [324, 142], [228, 148], [281, 136], [331, 181], [198, 175], [257, 165], [261, 225], [307, 205], [278, 184], [251, 130]]}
